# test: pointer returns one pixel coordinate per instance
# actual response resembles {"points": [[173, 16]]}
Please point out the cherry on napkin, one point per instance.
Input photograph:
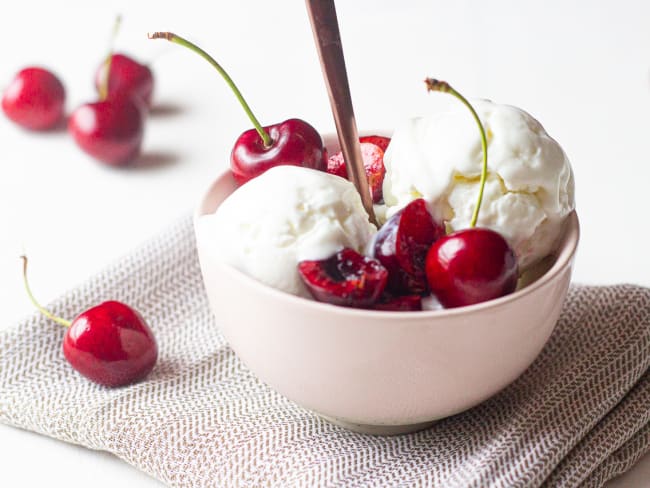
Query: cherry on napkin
{"points": [[577, 417]]}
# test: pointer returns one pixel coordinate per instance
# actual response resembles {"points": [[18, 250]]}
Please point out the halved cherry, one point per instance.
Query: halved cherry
{"points": [[347, 278], [380, 141], [373, 162], [401, 245]]}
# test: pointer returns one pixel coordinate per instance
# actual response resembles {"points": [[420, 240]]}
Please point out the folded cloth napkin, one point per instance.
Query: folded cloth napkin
{"points": [[577, 417]]}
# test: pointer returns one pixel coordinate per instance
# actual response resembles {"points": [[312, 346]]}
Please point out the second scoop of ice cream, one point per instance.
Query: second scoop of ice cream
{"points": [[529, 190], [284, 216]]}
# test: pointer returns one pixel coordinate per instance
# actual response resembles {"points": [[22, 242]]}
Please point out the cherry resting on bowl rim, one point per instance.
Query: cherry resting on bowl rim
{"points": [[110, 343], [34, 99], [471, 265], [293, 141]]}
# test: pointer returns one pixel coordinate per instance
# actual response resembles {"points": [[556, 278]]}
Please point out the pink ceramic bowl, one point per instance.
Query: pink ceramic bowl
{"points": [[382, 372]]}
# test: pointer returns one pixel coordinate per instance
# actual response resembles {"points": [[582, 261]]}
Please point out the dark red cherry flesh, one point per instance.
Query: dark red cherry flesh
{"points": [[373, 164], [380, 141], [34, 99], [127, 77], [401, 245], [111, 344], [110, 130], [293, 142], [471, 266], [406, 303], [347, 278]]}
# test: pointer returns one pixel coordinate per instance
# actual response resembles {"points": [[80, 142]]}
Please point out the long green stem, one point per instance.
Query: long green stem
{"points": [[44, 311], [443, 86], [103, 88], [171, 37]]}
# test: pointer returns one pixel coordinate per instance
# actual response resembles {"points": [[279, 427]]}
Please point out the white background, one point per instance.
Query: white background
{"points": [[582, 68]]}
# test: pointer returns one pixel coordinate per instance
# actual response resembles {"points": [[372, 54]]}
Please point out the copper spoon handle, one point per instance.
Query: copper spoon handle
{"points": [[324, 24]]}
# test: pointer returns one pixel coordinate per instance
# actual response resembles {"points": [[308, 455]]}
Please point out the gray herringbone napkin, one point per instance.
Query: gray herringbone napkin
{"points": [[578, 416]]}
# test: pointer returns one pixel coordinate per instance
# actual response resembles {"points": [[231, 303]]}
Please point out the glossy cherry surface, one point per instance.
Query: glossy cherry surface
{"points": [[380, 141], [373, 164], [110, 130], [347, 278], [293, 142], [127, 77], [471, 266], [401, 245], [111, 344], [34, 99]]}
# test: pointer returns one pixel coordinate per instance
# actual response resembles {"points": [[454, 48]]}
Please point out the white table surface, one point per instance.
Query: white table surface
{"points": [[583, 71]]}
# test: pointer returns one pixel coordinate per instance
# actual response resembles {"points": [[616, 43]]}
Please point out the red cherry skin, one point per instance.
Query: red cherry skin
{"points": [[373, 164], [471, 266], [127, 78], [34, 99], [110, 130], [111, 344], [347, 278], [380, 141], [401, 245], [294, 142]]}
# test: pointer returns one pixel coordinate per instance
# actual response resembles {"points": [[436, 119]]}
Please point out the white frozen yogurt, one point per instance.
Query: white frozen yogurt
{"points": [[529, 191], [284, 216]]}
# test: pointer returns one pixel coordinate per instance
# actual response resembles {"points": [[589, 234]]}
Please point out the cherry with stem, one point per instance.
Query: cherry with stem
{"points": [[110, 343], [103, 87], [293, 141], [476, 264]]}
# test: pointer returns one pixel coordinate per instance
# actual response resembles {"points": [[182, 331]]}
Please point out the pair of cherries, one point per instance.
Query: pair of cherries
{"points": [[110, 129]]}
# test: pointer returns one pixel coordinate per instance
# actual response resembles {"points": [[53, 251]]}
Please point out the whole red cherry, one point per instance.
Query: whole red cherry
{"points": [[109, 130], [110, 344], [293, 141], [34, 99], [471, 266], [126, 77]]}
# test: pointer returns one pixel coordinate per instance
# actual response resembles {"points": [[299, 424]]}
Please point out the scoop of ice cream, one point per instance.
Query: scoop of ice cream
{"points": [[286, 215], [529, 190]]}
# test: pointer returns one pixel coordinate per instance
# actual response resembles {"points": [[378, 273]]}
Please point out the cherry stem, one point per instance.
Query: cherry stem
{"points": [[171, 37], [43, 310], [443, 86], [103, 89]]}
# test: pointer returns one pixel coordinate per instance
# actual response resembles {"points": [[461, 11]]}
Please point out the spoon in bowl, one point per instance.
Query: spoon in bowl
{"points": [[324, 23]]}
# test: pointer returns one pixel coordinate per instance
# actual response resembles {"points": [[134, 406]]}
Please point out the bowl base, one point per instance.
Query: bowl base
{"points": [[378, 429]]}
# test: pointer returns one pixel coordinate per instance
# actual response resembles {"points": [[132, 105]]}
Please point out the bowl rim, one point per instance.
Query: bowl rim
{"points": [[563, 257]]}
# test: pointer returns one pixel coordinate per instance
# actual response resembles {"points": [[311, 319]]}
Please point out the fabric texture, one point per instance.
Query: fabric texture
{"points": [[577, 417]]}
